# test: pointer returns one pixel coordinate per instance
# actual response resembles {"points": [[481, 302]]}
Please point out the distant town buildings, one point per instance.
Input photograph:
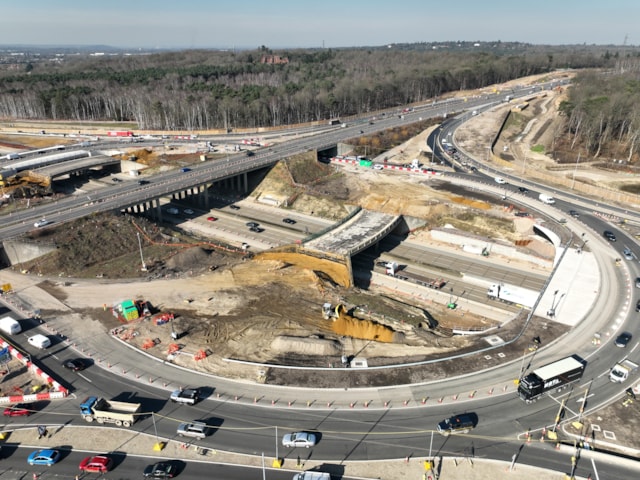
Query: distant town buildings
{"points": [[274, 59]]}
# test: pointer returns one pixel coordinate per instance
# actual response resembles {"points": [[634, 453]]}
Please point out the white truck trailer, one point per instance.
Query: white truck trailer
{"points": [[312, 476], [513, 295]]}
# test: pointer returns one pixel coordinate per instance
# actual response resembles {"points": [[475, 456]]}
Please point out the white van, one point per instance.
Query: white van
{"points": [[10, 326], [548, 199], [40, 341]]}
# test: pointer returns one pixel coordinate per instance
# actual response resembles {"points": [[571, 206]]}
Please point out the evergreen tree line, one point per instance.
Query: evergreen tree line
{"points": [[197, 90]]}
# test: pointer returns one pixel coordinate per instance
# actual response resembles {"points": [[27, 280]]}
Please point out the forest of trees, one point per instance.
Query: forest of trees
{"points": [[603, 112], [196, 90]]}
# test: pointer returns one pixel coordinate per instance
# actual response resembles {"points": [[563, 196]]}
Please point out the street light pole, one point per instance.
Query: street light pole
{"points": [[144, 267], [573, 182]]}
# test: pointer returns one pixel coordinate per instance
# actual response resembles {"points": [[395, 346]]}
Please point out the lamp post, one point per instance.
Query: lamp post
{"points": [[573, 181], [144, 267]]}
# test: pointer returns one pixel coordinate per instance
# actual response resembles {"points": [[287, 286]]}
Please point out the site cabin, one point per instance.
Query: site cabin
{"points": [[553, 376]]}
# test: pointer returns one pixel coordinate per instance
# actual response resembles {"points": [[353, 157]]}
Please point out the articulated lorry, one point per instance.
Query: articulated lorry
{"points": [[123, 414], [556, 375], [621, 371], [513, 295]]}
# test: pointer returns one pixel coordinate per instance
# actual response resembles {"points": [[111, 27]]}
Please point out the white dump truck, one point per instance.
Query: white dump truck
{"points": [[621, 371]]}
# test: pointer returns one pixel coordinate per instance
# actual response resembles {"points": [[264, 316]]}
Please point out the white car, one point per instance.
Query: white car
{"points": [[42, 223], [500, 180], [299, 439], [378, 166], [188, 211]]}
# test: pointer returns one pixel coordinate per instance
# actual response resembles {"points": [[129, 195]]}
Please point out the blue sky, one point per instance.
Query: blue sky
{"points": [[314, 23]]}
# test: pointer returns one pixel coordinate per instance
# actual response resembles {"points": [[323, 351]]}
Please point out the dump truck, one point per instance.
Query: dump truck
{"points": [[513, 295], [621, 371], [555, 375], [123, 414]]}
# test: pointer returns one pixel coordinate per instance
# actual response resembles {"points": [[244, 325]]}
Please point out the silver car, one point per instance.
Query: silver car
{"points": [[194, 430], [299, 439]]}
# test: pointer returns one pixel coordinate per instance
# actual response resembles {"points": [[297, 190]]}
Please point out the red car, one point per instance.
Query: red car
{"points": [[212, 219], [18, 410], [99, 463]]}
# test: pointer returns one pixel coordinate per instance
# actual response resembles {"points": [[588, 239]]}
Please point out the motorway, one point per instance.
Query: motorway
{"points": [[346, 434]]}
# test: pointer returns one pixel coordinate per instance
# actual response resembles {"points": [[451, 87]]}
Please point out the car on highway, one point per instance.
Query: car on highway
{"points": [[143, 182], [97, 464], [252, 224], [116, 180], [638, 306], [623, 339], [637, 282], [74, 364], [462, 423], [627, 254], [500, 180], [211, 219], [523, 189], [290, 221], [188, 211], [18, 410], [185, 169], [45, 457], [574, 213], [193, 430], [234, 207], [299, 439], [256, 229], [42, 223], [160, 470], [609, 235]]}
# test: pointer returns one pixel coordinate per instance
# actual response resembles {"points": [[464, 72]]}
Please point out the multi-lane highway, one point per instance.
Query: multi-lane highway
{"points": [[345, 434]]}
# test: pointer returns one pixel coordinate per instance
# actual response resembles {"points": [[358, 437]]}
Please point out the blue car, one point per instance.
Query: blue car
{"points": [[44, 457]]}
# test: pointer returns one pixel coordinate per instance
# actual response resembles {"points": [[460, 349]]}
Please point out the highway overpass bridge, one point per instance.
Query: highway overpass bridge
{"points": [[329, 252]]}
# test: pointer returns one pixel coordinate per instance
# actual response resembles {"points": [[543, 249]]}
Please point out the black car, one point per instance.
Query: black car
{"points": [[574, 213], [290, 221], [74, 364], [609, 236], [143, 182], [160, 470], [522, 214], [523, 189], [623, 339], [638, 306], [234, 207], [257, 229], [252, 224]]}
